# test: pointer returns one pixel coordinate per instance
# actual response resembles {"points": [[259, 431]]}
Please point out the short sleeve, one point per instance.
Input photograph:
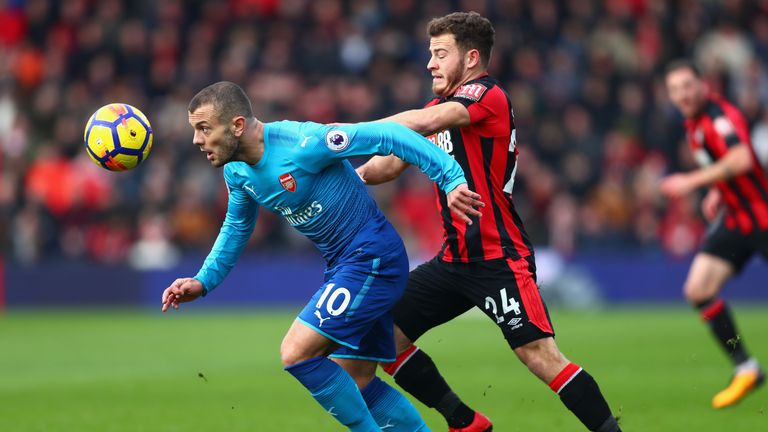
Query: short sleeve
{"points": [[472, 96], [724, 127]]}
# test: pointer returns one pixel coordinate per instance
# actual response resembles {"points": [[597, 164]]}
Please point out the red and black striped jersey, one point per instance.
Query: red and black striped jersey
{"points": [[717, 128], [486, 151]]}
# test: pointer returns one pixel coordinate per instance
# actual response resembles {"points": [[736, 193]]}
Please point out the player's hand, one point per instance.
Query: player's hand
{"points": [[465, 203], [676, 186], [361, 170], [711, 204], [381, 169], [181, 291]]}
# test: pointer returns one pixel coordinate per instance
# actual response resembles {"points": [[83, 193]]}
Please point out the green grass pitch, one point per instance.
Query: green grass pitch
{"points": [[220, 371]]}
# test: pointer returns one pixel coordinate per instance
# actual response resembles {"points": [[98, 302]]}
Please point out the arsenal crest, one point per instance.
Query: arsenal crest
{"points": [[288, 182]]}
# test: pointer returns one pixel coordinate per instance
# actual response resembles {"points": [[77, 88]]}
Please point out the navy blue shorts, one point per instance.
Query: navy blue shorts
{"points": [[353, 306]]}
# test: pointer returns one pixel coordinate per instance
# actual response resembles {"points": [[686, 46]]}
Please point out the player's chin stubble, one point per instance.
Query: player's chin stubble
{"points": [[228, 149], [451, 81]]}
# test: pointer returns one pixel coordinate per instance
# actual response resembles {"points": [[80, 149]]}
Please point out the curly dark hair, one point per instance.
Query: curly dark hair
{"points": [[471, 30]]}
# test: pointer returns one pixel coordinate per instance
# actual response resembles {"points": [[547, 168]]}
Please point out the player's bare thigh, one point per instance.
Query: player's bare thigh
{"points": [[707, 275], [303, 343], [543, 358]]}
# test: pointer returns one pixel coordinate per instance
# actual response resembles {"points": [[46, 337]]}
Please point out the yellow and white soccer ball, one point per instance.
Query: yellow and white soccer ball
{"points": [[118, 137]]}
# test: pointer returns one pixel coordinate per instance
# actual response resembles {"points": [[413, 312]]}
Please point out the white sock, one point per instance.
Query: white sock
{"points": [[748, 366]]}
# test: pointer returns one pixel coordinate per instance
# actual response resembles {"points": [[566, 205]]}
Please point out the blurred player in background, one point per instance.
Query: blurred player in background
{"points": [[489, 264], [736, 207], [300, 171]]}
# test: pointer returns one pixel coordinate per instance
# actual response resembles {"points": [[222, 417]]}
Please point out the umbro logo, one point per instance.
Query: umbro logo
{"points": [[514, 321]]}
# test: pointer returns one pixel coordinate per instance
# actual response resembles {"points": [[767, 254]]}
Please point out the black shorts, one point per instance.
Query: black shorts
{"points": [[734, 246], [504, 289]]}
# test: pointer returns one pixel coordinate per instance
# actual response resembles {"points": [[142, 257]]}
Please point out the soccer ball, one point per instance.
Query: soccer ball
{"points": [[118, 137]]}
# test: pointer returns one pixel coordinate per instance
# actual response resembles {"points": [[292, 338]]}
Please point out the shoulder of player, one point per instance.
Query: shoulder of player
{"points": [[482, 88], [725, 117], [317, 131], [719, 107], [714, 108], [485, 80], [312, 138], [293, 137], [234, 173], [283, 130]]}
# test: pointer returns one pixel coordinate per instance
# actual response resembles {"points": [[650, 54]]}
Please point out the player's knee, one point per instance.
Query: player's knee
{"points": [[290, 354], [540, 362], [696, 292], [535, 363], [542, 358]]}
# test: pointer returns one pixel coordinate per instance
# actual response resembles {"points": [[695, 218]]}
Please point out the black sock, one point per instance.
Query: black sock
{"points": [[718, 315], [580, 394], [418, 375]]}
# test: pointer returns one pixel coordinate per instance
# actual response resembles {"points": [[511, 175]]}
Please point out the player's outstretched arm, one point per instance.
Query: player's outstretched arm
{"points": [[181, 291], [381, 169], [382, 139], [425, 121], [237, 228], [737, 161], [389, 138], [429, 120]]}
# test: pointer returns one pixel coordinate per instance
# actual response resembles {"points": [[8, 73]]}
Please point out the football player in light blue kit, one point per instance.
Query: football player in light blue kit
{"points": [[300, 171]]}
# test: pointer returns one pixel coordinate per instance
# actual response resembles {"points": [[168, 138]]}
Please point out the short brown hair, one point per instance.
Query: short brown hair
{"points": [[678, 64], [471, 30], [227, 98]]}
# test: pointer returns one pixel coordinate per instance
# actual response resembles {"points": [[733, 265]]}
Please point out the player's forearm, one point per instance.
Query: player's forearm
{"points": [[737, 161], [381, 169], [225, 252], [416, 120], [434, 118]]}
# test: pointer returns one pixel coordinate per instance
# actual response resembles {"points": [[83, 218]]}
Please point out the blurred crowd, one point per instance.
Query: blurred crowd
{"points": [[594, 127]]}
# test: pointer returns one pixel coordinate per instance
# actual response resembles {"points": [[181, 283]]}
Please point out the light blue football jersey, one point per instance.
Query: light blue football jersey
{"points": [[304, 176]]}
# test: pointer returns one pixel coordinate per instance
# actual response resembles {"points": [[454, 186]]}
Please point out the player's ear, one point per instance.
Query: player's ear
{"points": [[472, 58], [238, 126]]}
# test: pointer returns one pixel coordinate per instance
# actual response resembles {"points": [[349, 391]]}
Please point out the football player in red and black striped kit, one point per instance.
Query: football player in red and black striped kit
{"points": [[487, 261], [736, 207]]}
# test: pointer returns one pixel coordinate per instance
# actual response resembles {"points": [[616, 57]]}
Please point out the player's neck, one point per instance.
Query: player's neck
{"points": [[252, 143], [475, 74], [701, 108], [469, 75]]}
